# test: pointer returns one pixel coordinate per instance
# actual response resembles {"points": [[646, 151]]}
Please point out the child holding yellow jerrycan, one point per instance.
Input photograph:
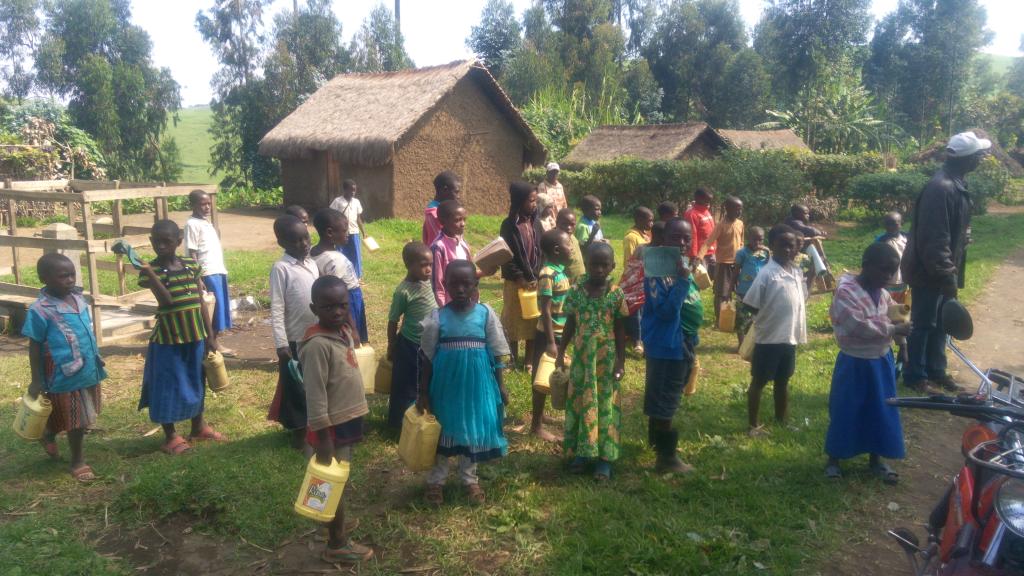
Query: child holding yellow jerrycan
{"points": [[65, 363], [335, 407]]}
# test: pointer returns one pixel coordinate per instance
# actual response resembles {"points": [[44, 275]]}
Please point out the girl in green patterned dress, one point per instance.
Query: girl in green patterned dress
{"points": [[595, 324]]}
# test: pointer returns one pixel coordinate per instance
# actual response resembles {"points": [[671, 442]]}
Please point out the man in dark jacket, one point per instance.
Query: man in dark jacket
{"points": [[933, 263]]}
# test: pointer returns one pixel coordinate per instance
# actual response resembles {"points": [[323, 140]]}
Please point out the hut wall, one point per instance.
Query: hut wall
{"points": [[702, 147], [305, 181], [469, 135]]}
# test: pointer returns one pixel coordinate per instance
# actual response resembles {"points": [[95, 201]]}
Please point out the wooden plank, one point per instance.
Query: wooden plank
{"points": [[112, 231], [39, 185], [119, 263], [120, 301], [89, 185], [18, 290], [51, 243], [40, 196], [155, 192]]}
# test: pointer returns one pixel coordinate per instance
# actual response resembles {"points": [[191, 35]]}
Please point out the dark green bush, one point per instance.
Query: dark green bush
{"points": [[831, 173], [886, 191], [989, 181]]}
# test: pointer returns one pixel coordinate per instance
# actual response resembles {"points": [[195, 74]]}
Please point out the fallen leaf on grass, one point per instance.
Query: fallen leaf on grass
{"points": [[720, 476], [893, 507], [151, 432]]}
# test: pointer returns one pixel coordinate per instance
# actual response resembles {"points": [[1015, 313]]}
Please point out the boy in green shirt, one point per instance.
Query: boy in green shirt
{"points": [[552, 287]]}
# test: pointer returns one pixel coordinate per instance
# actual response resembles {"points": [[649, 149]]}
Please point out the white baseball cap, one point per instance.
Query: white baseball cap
{"points": [[552, 166], [966, 144]]}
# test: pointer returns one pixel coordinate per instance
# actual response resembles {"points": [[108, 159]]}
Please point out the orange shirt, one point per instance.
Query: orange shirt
{"points": [[729, 236]]}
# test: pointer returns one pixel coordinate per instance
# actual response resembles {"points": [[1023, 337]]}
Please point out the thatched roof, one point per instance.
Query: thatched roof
{"points": [[361, 118], [763, 139], [937, 153], [650, 142]]}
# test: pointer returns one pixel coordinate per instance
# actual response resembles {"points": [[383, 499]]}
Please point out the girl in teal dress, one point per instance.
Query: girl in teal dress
{"points": [[461, 345]]}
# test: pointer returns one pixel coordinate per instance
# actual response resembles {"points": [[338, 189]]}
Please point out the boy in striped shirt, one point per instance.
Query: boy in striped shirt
{"points": [[552, 288]]}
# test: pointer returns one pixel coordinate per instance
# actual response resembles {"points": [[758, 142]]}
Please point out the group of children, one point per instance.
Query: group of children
{"points": [[447, 348]]}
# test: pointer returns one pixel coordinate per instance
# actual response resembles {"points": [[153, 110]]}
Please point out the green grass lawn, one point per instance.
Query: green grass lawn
{"points": [[194, 141], [753, 506]]}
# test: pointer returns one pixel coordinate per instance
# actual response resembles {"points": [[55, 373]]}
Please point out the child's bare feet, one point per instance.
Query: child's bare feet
{"points": [[544, 435]]}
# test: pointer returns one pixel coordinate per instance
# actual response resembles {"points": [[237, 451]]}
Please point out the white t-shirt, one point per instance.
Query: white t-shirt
{"points": [[334, 263], [351, 209], [779, 294], [201, 237]]}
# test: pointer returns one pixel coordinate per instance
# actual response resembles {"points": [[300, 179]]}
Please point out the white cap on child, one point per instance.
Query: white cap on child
{"points": [[552, 166]]}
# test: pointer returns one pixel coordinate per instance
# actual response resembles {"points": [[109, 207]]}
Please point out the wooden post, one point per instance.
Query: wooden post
{"points": [[94, 281], [71, 212], [119, 232], [214, 217], [12, 225]]}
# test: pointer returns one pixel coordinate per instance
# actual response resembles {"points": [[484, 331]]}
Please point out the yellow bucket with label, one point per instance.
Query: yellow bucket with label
{"points": [[321, 489]]}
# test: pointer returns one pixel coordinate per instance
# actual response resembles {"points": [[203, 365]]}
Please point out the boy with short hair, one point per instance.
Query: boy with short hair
{"points": [[64, 359], [749, 261], [447, 185], [667, 210], [777, 298], [298, 212], [728, 236], [702, 223], [291, 282], [202, 244], [352, 208], [412, 301], [552, 288], [588, 229], [566, 222], [335, 399], [671, 318], [332, 228], [636, 237], [448, 246], [894, 236]]}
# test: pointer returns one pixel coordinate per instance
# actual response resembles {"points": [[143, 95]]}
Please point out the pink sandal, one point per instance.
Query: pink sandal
{"points": [[176, 446], [208, 433], [83, 473]]}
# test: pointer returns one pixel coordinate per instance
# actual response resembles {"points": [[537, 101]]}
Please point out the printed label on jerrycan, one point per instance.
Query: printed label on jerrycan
{"points": [[317, 494]]}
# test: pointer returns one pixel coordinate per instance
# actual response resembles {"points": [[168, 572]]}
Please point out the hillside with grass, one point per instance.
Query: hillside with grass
{"points": [[194, 140]]}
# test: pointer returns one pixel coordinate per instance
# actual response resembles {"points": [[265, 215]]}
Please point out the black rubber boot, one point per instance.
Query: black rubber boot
{"points": [[665, 442]]}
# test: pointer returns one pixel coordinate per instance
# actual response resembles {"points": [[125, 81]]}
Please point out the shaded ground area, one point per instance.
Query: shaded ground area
{"points": [[933, 438]]}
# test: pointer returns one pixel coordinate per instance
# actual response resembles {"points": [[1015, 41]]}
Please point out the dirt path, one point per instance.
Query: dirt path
{"points": [[933, 438]]}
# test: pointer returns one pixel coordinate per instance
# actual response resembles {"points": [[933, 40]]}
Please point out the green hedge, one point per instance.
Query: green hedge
{"points": [[768, 181], [886, 191]]}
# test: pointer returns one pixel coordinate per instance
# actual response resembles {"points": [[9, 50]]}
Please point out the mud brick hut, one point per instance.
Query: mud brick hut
{"points": [[393, 132], [784, 139], [651, 142]]}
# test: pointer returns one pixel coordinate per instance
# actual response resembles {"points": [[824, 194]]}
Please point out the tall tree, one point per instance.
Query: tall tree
{"points": [[95, 57], [20, 20], [497, 38], [234, 30], [378, 45], [797, 38], [693, 43]]}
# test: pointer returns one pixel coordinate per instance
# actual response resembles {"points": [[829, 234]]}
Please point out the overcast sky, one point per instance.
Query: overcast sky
{"points": [[435, 31]]}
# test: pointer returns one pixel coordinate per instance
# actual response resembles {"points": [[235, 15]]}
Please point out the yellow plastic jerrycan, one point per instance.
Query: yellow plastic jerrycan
{"points": [[528, 304], [417, 446], [367, 360], [899, 313], [321, 489], [216, 373], [727, 317], [691, 382], [559, 383], [542, 380], [30, 421]]}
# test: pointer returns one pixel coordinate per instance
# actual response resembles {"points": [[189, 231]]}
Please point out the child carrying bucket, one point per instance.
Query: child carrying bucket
{"points": [[521, 230], [65, 362], [461, 383], [172, 380], [335, 400]]}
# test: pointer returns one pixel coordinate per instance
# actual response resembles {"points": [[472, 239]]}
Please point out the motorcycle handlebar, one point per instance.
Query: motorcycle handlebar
{"points": [[967, 406]]}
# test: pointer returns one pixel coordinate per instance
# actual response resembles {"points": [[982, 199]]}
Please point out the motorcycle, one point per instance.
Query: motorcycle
{"points": [[977, 528]]}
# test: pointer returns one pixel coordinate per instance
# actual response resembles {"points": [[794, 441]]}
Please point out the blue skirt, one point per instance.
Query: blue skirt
{"points": [[172, 382], [218, 285], [404, 380], [357, 308], [861, 421], [464, 396], [354, 252]]}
